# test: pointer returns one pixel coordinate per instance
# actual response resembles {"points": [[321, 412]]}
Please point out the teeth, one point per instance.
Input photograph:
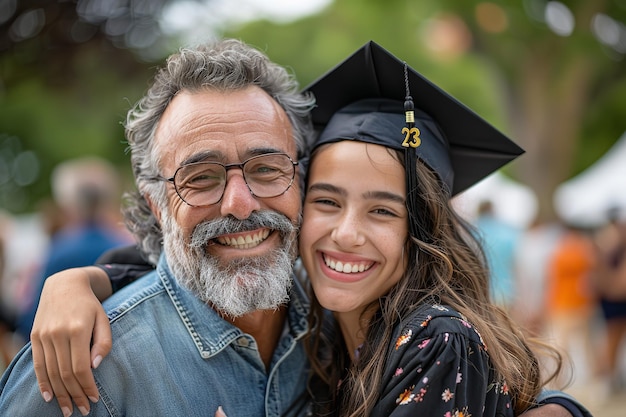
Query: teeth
{"points": [[348, 267], [244, 242]]}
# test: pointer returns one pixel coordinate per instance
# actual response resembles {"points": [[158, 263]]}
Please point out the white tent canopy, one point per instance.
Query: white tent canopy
{"points": [[512, 201], [585, 199]]}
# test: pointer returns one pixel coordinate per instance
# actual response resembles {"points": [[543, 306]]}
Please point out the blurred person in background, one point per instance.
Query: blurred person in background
{"points": [[610, 283], [534, 250], [27, 279], [500, 240], [9, 342], [86, 193], [570, 302]]}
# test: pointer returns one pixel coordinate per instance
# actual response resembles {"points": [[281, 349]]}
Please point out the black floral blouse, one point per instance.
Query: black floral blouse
{"points": [[439, 366]]}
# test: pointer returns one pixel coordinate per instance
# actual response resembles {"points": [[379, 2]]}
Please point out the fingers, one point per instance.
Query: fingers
{"points": [[39, 364], [220, 412], [69, 371], [80, 379], [61, 340], [102, 340], [56, 380], [47, 369], [63, 361]]}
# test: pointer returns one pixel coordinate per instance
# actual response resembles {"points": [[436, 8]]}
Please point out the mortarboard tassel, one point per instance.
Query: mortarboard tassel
{"points": [[411, 141]]}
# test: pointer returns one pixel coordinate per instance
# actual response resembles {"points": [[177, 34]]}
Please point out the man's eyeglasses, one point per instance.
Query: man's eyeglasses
{"points": [[202, 184]]}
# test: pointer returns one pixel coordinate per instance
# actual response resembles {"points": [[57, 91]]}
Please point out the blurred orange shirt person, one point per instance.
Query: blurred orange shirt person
{"points": [[569, 287]]}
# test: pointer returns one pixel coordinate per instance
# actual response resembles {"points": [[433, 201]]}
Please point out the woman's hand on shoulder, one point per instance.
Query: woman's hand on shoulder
{"points": [[69, 317], [547, 410]]}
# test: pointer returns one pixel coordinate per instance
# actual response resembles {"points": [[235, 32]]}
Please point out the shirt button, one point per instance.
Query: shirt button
{"points": [[243, 342]]}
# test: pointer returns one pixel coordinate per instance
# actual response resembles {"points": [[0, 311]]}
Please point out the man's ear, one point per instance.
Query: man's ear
{"points": [[154, 208]]}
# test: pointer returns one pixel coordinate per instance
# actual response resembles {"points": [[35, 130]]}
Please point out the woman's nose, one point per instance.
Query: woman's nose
{"points": [[347, 232]]}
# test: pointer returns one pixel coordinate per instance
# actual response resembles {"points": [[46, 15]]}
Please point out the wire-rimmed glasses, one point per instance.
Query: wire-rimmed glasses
{"points": [[202, 184]]}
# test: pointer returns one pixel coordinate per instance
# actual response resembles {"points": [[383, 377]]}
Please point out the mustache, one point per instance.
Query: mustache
{"points": [[211, 229]]}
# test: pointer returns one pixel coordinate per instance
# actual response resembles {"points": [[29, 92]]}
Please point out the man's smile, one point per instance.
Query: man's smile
{"points": [[245, 240]]}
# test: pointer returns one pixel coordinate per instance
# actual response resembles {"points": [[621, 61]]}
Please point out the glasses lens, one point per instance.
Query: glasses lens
{"points": [[200, 184], [269, 175], [203, 183]]}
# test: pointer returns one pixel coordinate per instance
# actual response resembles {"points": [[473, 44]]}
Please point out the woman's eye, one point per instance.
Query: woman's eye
{"points": [[384, 212], [325, 202]]}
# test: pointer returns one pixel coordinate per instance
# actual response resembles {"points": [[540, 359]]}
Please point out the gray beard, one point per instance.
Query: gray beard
{"points": [[244, 285]]}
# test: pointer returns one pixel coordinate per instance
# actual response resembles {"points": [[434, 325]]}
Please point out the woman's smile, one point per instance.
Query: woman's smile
{"points": [[354, 224], [345, 268]]}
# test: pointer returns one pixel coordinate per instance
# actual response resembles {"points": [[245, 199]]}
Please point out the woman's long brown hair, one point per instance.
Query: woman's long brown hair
{"points": [[449, 268]]}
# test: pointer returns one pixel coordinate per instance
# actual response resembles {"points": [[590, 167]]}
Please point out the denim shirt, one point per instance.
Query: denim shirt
{"points": [[175, 356]]}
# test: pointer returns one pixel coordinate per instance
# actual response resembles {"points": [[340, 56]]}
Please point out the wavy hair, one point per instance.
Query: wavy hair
{"points": [[224, 65], [451, 270]]}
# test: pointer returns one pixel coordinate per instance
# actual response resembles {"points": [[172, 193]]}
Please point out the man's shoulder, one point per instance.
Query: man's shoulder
{"points": [[134, 295]]}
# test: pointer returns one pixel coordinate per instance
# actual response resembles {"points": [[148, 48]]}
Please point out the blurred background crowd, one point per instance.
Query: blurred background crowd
{"points": [[550, 74]]}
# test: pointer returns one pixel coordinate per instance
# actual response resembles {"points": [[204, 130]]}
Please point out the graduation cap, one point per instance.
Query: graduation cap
{"points": [[460, 146]]}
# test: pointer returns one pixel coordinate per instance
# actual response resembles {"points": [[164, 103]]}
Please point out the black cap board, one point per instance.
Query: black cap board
{"points": [[460, 146]]}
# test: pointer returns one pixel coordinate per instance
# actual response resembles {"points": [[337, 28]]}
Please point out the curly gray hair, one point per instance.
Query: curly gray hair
{"points": [[225, 65]]}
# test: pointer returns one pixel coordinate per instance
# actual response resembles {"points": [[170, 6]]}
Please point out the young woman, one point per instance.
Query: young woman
{"points": [[386, 253], [401, 273], [419, 331]]}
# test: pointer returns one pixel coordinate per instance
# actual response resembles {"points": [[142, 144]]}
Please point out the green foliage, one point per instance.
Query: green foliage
{"points": [[61, 99], [604, 125], [314, 45], [557, 95], [59, 123]]}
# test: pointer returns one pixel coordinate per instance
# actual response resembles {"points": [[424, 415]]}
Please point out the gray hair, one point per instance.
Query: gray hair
{"points": [[225, 65]]}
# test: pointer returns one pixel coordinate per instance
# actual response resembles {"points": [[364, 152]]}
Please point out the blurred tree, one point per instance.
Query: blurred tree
{"points": [[560, 64], [549, 74], [69, 71], [44, 36]]}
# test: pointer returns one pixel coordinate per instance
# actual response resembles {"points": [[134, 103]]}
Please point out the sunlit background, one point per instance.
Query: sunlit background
{"points": [[550, 74]]}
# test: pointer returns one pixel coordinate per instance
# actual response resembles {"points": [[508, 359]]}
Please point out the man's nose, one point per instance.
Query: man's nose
{"points": [[237, 200]]}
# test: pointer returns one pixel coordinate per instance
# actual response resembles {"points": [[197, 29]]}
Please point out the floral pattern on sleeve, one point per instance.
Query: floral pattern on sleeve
{"points": [[439, 366]]}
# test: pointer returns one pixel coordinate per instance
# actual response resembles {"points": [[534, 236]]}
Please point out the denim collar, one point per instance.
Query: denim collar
{"points": [[208, 330]]}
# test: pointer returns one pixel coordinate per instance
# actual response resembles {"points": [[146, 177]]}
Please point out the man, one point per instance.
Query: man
{"points": [[231, 339], [218, 322]]}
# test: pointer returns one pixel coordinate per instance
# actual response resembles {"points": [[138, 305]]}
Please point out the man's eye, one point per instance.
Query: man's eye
{"points": [[265, 168], [264, 171], [203, 180]]}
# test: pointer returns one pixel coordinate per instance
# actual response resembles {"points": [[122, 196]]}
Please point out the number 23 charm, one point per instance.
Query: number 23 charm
{"points": [[411, 137]]}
